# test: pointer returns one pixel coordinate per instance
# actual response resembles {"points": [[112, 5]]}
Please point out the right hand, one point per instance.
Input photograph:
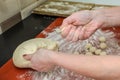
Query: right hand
{"points": [[82, 24], [40, 60]]}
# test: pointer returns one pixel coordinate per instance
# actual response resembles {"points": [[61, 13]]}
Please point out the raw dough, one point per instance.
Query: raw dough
{"points": [[103, 53], [103, 45], [102, 39], [98, 51], [89, 53], [92, 49], [29, 47], [88, 45]]}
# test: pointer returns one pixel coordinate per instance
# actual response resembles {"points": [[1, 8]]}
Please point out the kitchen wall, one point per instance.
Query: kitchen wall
{"points": [[13, 11]]}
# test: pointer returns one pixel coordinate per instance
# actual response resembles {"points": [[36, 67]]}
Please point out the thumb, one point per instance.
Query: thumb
{"points": [[63, 25], [27, 56]]}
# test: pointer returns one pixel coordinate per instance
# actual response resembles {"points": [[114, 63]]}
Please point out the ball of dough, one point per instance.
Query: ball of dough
{"points": [[29, 47], [92, 49], [97, 51], [103, 45], [89, 53], [102, 39], [88, 45], [103, 53]]}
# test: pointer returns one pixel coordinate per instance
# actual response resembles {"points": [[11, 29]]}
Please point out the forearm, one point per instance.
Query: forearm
{"points": [[99, 67], [113, 16]]}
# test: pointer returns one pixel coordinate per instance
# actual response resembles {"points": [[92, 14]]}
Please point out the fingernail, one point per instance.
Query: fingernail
{"points": [[25, 56], [62, 28]]}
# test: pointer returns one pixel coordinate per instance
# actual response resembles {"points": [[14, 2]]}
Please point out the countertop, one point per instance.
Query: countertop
{"points": [[22, 31]]}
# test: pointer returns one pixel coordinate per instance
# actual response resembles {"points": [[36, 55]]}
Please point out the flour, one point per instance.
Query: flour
{"points": [[69, 47], [78, 47], [25, 76]]}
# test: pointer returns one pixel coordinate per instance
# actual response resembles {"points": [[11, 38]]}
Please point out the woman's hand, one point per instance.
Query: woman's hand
{"points": [[82, 24], [40, 60]]}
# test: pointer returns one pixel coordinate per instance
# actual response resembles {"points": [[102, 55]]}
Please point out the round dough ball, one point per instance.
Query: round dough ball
{"points": [[103, 45], [102, 39], [88, 45], [103, 53], [89, 53], [29, 47], [98, 51], [92, 49]]}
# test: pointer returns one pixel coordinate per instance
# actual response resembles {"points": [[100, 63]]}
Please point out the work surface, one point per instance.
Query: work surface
{"points": [[22, 31], [8, 70]]}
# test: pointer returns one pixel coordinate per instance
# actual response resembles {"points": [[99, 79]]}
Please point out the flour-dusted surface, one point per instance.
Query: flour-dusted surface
{"points": [[26, 76], [78, 47]]}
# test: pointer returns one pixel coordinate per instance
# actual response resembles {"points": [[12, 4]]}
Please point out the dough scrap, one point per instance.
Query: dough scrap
{"points": [[29, 47], [103, 53], [92, 49], [102, 39], [89, 53], [88, 45], [103, 45], [98, 51]]}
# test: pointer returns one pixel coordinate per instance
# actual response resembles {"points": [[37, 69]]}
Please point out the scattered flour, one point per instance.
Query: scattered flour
{"points": [[78, 47]]}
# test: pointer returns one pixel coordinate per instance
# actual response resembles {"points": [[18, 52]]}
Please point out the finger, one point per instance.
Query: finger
{"points": [[27, 56], [62, 27], [69, 20], [88, 33], [81, 33], [30, 65], [71, 33], [76, 35], [46, 69], [65, 23], [38, 68], [66, 31], [91, 28]]}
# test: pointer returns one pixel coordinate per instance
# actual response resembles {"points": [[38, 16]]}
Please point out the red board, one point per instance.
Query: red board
{"points": [[10, 72]]}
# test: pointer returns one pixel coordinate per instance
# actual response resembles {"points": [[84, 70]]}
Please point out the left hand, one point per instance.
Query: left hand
{"points": [[81, 25]]}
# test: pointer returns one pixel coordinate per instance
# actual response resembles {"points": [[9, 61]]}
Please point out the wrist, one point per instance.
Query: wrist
{"points": [[103, 17], [112, 16], [53, 57]]}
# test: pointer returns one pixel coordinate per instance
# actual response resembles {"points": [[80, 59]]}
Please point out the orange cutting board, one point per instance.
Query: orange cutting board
{"points": [[9, 72]]}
